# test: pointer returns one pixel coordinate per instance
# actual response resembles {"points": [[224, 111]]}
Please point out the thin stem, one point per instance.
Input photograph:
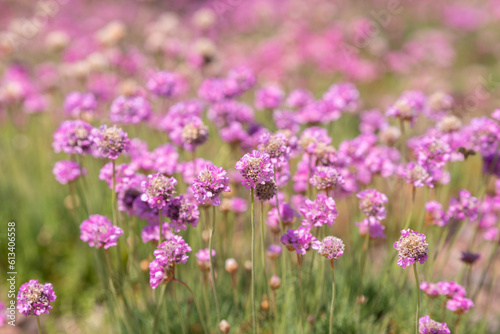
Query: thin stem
{"points": [[179, 310], [38, 324], [158, 305], [113, 192], [332, 266], [195, 302], [160, 226], [252, 219], [301, 301], [263, 246], [418, 297], [457, 323], [212, 274]]}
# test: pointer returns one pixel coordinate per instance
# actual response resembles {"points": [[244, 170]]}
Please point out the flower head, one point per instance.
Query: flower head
{"points": [[273, 251], [299, 240], [209, 184], [428, 326], [67, 171], [194, 133], [130, 109], [266, 191], [111, 142], [326, 178], [464, 207], [331, 247], [166, 84], [74, 137], [320, 212], [372, 226], [412, 247], [99, 232], [158, 190], [371, 203], [182, 212], [77, 103], [203, 257], [459, 304], [436, 214], [276, 146], [35, 298], [255, 168], [469, 257]]}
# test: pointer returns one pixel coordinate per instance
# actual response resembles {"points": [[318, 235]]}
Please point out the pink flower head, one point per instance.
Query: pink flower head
{"points": [[299, 240], [150, 233], [67, 171], [299, 98], [99, 232], [372, 226], [269, 97], [342, 96], [130, 109], [174, 250], [451, 289], [244, 77], [203, 257], [255, 168], [74, 137], [325, 178], [459, 304], [182, 212], [165, 159], [417, 175], [408, 106], [273, 251], [35, 298], [320, 212], [464, 207], [123, 172], [432, 290], [436, 214], [194, 134], [330, 247], [412, 248], [77, 103], [226, 112], [372, 203], [428, 326], [158, 190], [166, 84], [111, 142], [276, 146], [209, 184]]}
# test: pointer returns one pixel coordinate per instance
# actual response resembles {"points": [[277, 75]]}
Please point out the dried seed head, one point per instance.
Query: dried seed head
{"points": [[231, 266], [224, 326], [265, 191], [275, 282]]}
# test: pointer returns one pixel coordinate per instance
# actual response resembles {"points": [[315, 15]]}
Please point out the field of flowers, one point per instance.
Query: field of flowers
{"points": [[260, 166]]}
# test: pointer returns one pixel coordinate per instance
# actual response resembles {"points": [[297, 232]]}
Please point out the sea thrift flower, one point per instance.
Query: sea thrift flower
{"points": [[459, 304], [166, 84], [451, 289], [67, 171], [287, 217], [342, 96], [123, 173], [428, 326], [326, 178], [269, 97], [151, 233], [74, 137], [77, 103], [99, 232], [165, 159], [111, 142], [464, 207], [407, 107], [203, 257], [436, 214], [320, 212], [372, 203], [276, 146], [35, 298], [130, 110], [266, 191], [411, 247], [330, 247], [299, 98], [416, 175], [469, 257], [158, 190], [255, 168], [299, 240], [372, 226], [209, 184], [273, 252], [172, 251], [182, 212], [433, 290], [194, 134]]}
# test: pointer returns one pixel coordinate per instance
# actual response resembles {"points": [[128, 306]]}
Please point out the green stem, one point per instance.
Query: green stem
{"points": [[113, 192], [418, 297], [158, 306], [252, 219], [212, 274], [179, 310], [457, 323], [38, 324], [332, 266], [195, 302], [301, 301], [263, 247]]}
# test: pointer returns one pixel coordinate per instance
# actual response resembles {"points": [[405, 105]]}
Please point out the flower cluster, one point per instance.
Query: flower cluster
{"points": [[111, 142], [158, 190], [255, 168], [35, 298], [320, 212], [300, 240], [330, 247], [209, 184], [67, 171], [428, 326], [99, 232], [412, 248]]}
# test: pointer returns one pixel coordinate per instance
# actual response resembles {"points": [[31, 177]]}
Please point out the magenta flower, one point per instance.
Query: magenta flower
{"points": [[326, 178], [226, 112], [372, 203], [459, 304], [287, 217], [417, 175], [428, 326], [99, 232], [166, 84], [209, 184], [273, 251], [194, 134], [412, 248], [158, 190], [451, 289], [408, 106], [469, 257], [372, 226], [165, 159], [150, 233], [299, 98], [123, 173], [464, 207], [35, 298], [67, 171], [432, 290], [276, 146], [203, 257], [331, 247], [74, 137], [436, 214], [299, 240], [244, 78], [269, 97], [111, 142], [255, 168], [320, 212], [172, 251], [182, 212], [130, 110], [77, 103], [342, 96]]}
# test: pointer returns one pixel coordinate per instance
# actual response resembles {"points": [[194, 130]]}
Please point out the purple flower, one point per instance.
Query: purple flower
{"points": [[342, 96], [244, 78], [226, 112], [286, 120], [35, 298], [408, 106], [255, 168], [99, 232], [129, 191], [326, 178], [411, 247], [432, 151], [464, 207], [130, 109], [320, 212], [276, 146], [436, 214], [299, 240], [432, 290], [417, 175], [469, 257], [428, 326], [203, 257], [123, 172], [111, 142], [330, 247], [150, 233], [67, 171], [459, 305], [182, 212], [451, 289], [194, 134], [165, 159], [166, 84], [172, 251], [311, 137], [74, 137], [273, 251], [299, 98], [77, 103], [372, 203], [269, 97], [158, 190], [217, 89], [287, 217], [209, 184], [372, 226]]}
